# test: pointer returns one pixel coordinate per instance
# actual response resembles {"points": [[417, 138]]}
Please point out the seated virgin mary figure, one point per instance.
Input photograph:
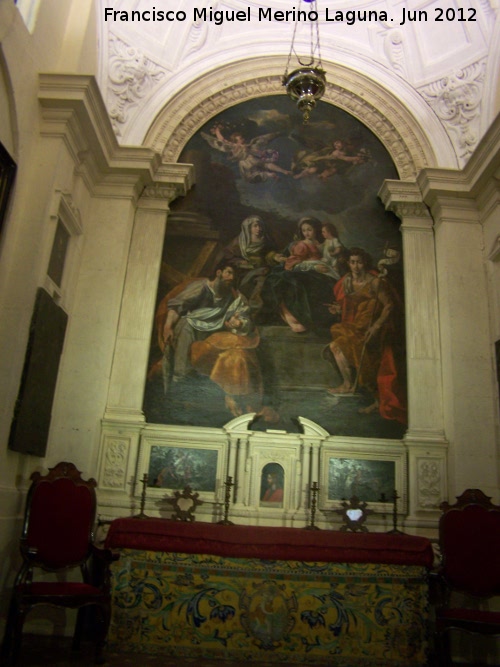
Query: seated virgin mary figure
{"points": [[299, 289]]}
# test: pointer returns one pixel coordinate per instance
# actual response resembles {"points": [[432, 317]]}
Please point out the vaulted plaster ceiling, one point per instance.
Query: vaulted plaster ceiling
{"points": [[449, 67]]}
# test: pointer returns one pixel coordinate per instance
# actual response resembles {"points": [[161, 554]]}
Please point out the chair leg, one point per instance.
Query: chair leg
{"points": [[104, 618], [77, 635], [7, 644], [443, 649], [11, 645]]}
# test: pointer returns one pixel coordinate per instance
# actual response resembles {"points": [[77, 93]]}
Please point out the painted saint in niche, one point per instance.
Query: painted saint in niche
{"points": [[272, 482]]}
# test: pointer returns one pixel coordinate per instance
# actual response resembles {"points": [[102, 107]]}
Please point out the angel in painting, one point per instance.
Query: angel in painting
{"points": [[329, 161], [256, 162]]}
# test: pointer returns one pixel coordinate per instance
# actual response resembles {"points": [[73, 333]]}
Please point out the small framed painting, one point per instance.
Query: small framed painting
{"points": [[173, 466], [371, 477]]}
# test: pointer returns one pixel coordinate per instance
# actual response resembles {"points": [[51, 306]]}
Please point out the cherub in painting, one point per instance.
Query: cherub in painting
{"points": [[256, 162], [328, 161]]}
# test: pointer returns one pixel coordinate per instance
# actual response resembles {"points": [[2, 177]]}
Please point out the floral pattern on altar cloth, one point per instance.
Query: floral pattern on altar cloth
{"points": [[291, 612]]}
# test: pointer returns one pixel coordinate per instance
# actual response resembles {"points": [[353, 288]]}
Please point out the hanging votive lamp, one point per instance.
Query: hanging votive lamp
{"points": [[307, 83]]}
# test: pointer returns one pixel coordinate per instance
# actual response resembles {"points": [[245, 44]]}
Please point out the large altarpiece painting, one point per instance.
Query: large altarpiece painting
{"points": [[281, 287]]}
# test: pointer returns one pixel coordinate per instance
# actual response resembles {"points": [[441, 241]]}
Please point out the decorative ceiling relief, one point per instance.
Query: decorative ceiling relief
{"points": [[154, 55], [456, 100], [197, 37], [132, 78], [395, 51]]}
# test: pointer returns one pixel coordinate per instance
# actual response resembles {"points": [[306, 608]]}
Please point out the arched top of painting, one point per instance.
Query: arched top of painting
{"points": [[258, 157], [391, 118], [278, 115]]}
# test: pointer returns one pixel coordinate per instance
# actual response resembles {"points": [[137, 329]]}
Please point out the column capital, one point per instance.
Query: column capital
{"points": [[157, 197], [404, 198], [170, 181]]}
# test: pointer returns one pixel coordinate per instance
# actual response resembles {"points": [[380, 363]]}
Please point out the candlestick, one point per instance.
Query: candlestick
{"points": [[227, 501], [395, 530], [314, 493], [144, 483]]}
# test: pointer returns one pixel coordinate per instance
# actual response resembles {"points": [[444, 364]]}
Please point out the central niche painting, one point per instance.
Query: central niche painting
{"points": [[281, 285]]}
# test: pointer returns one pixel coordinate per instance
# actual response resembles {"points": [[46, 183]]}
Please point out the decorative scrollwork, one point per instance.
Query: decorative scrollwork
{"points": [[395, 51], [132, 77], [115, 463], [456, 100], [429, 484], [184, 504]]}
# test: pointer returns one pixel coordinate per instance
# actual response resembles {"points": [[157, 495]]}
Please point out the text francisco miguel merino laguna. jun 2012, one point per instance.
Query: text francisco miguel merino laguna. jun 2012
{"points": [[443, 14]]}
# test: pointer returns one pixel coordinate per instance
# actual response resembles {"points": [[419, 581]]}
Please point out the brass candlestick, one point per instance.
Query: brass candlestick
{"points": [[142, 514], [395, 530], [314, 495], [227, 501]]}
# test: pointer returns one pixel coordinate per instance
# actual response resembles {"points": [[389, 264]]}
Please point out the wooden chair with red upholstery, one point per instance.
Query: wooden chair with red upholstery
{"points": [[469, 574], [57, 536]]}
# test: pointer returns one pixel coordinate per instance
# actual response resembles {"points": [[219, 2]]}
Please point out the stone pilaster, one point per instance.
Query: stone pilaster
{"points": [[126, 387], [425, 439], [123, 419]]}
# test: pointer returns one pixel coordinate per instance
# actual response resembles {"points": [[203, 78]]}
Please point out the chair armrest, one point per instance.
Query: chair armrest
{"points": [[100, 560], [105, 556]]}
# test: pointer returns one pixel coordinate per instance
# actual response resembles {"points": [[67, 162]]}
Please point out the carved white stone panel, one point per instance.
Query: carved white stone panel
{"points": [[429, 476], [114, 462]]}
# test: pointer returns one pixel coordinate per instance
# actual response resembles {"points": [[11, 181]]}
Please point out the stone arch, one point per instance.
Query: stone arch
{"points": [[398, 127]]}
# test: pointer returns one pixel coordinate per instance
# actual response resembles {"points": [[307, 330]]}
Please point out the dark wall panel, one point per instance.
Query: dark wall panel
{"points": [[33, 411]]}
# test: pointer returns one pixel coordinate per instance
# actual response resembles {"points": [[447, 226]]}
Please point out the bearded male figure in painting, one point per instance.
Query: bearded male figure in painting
{"points": [[208, 329]]}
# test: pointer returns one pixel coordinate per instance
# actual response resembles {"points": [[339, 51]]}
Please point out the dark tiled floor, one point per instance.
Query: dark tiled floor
{"points": [[56, 652]]}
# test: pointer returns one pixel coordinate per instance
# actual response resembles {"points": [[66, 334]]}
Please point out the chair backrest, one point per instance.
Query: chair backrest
{"points": [[469, 536], [59, 518]]}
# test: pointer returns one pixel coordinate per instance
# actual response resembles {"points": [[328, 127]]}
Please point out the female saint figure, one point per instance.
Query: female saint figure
{"points": [[252, 254], [300, 287]]}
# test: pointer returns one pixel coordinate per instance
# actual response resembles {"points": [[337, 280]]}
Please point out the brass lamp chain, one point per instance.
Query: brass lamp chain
{"points": [[292, 50], [314, 43]]}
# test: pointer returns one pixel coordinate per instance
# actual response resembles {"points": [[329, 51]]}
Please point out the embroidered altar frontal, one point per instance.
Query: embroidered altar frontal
{"points": [[289, 612]]}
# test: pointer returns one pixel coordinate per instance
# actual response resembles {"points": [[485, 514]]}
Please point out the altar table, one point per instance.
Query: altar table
{"points": [[262, 594]]}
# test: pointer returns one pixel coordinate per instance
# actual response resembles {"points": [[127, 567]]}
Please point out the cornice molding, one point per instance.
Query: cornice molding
{"points": [[453, 209], [393, 191], [375, 106], [71, 108]]}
